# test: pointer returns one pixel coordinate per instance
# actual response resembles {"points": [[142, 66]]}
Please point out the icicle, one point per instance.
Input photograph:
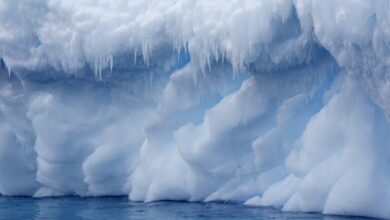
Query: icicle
{"points": [[209, 62], [9, 71], [111, 63], [223, 58], [96, 68], [146, 52], [178, 54], [100, 68], [135, 56]]}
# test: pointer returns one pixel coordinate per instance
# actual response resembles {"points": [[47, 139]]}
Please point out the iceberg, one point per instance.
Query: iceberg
{"points": [[280, 103]]}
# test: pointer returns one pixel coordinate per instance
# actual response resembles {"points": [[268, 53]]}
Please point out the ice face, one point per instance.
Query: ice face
{"points": [[270, 103]]}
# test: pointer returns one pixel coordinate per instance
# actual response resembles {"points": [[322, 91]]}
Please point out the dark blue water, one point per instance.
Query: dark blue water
{"points": [[118, 208]]}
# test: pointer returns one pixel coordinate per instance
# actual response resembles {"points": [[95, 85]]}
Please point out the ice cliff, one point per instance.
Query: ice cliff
{"points": [[271, 103]]}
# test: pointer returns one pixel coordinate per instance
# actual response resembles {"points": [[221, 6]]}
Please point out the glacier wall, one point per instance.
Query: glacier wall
{"points": [[270, 103]]}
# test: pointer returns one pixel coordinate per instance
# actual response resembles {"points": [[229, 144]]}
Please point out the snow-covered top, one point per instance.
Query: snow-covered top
{"points": [[68, 34]]}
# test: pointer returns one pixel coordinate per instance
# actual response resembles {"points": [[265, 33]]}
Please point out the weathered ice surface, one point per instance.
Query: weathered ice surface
{"points": [[269, 103]]}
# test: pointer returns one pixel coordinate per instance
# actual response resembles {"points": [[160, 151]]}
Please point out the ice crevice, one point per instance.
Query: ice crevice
{"points": [[268, 103]]}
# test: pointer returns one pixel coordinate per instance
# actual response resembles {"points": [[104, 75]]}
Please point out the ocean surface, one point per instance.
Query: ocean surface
{"points": [[117, 208]]}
